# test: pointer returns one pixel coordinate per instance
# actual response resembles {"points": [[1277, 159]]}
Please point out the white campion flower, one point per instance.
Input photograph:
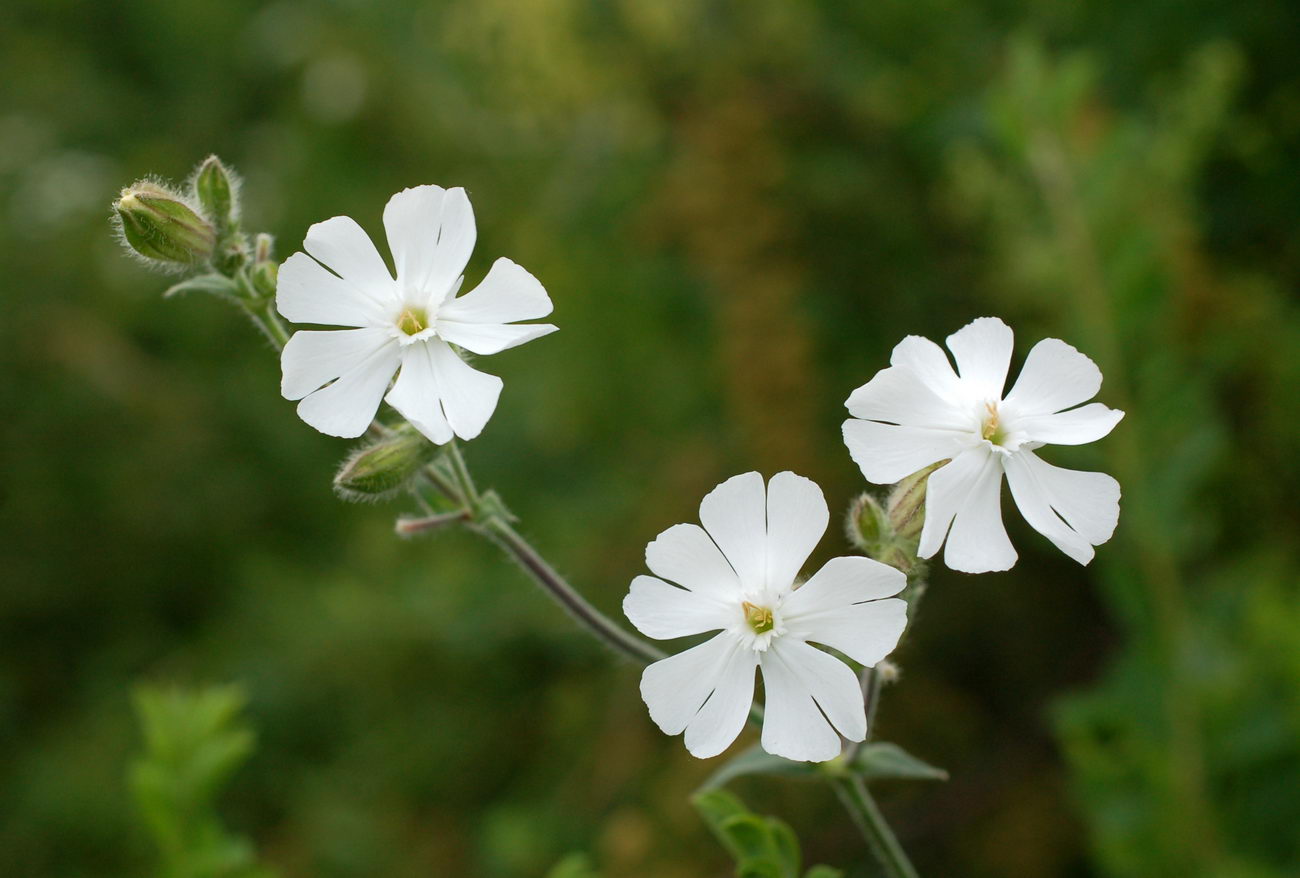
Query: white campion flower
{"points": [[410, 322], [919, 412], [736, 575]]}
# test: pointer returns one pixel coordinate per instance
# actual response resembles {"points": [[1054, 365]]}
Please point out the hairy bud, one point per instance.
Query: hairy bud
{"points": [[162, 226], [217, 190], [384, 467]]}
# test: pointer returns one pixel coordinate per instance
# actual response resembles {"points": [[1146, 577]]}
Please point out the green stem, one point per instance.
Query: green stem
{"points": [[551, 582], [462, 472], [857, 799]]}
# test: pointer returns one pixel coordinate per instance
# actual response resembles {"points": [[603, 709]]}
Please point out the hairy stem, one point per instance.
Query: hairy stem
{"points": [[597, 623], [857, 799]]}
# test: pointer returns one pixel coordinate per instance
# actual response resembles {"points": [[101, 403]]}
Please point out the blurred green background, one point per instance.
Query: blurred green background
{"points": [[738, 208]]}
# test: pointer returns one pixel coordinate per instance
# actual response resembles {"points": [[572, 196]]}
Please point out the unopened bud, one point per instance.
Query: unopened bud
{"points": [[385, 467], [265, 269], [218, 192], [867, 525], [162, 226], [906, 504]]}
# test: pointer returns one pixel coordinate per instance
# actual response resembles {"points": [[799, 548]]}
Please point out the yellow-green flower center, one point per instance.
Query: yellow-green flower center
{"points": [[759, 618], [414, 319], [992, 429]]}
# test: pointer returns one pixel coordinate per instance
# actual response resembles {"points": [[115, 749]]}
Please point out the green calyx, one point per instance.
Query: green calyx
{"points": [[162, 226]]}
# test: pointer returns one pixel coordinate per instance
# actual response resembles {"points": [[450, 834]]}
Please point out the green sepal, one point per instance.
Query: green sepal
{"points": [[217, 192], [385, 466], [161, 226], [880, 760], [212, 284], [756, 760]]}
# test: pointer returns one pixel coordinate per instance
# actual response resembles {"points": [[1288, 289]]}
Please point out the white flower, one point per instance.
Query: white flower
{"points": [[918, 412], [411, 322], [737, 576]]}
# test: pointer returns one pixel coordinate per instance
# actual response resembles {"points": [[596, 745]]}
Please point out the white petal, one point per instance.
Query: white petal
{"points": [[735, 515], [1075, 510], [723, 716], [456, 235], [490, 338], [346, 407], [930, 364], [343, 247], [686, 555], [307, 293], [313, 358], [468, 396], [664, 611], [982, 349], [841, 607], [978, 542], [507, 294], [968, 488], [898, 395], [411, 220], [674, 689], [796, 519], [887, 453], [1055, 376], [1076, 427], [416, 394], [801, 683]]}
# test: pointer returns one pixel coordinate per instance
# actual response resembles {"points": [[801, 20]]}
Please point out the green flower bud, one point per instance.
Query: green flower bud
{"points": [[906, 504], [217, 190], [265, 270], [868, 526], [384, 467], [162, 226]]}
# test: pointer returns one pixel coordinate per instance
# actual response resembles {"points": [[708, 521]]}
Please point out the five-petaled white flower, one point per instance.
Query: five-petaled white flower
{"points": [[919, 412], [737, 576], [411, 322]]}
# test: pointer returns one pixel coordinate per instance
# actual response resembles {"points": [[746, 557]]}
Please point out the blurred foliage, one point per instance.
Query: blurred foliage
{"points": [[763, 847], [738, 209], [194, 741]]}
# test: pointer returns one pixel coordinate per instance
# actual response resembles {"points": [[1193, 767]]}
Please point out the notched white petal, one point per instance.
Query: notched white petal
{"points": [[887, 453], [507, 294], [982, 349], [797, 517], [664, 611], [735, 515], [1055, 377], [686, 555], [491, 338], [343, 247]]}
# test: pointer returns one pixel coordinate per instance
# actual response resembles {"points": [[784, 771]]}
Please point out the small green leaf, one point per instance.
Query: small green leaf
{"points": [[880, 760], [756, 760], [574, 866], [823, 872], [214, 284]]}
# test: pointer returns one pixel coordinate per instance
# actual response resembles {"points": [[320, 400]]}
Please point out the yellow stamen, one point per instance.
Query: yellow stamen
{"points": [[413, 320], [990, 430], [759, 618]]}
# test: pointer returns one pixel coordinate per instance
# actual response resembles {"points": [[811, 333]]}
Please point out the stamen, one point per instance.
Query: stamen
{"points": [[759, 618], [413, 320], [990, 430]]}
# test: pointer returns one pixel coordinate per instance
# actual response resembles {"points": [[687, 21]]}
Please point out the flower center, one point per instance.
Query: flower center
{"points": [[413, 320], [759, 618], [992, 426]]}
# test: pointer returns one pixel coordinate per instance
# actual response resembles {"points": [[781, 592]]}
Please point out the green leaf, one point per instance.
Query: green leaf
{"points": [[823, 872], [213, 284], [880, 760], [574, 866], [763, 847], [756, 760]]}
